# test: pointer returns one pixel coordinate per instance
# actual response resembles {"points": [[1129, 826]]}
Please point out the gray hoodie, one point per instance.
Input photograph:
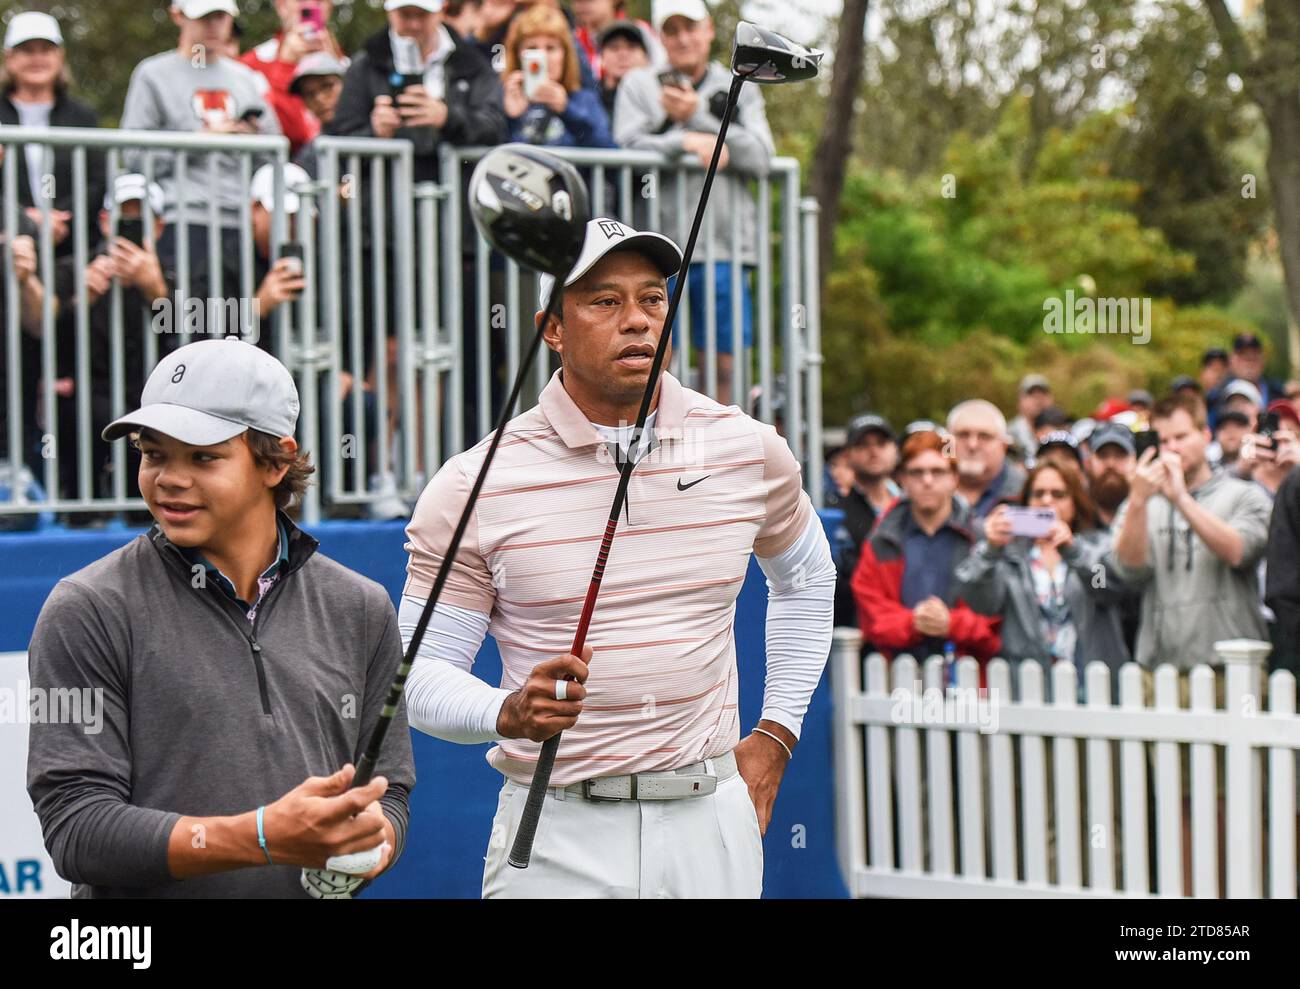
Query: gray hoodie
{"points": [[169, 92], [998, 582], [640, 122], [1192, 598], [203, 713]]}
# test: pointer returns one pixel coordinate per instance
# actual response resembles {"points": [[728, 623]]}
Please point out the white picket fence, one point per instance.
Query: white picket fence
{"points": [[896, 789]]}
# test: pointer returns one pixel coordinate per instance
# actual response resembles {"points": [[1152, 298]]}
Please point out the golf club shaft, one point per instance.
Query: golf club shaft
{"points": [[522, 849], [370, 757]]}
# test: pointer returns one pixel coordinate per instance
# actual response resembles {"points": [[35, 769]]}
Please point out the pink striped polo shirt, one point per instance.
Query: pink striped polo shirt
{"points": [[662, 687]]}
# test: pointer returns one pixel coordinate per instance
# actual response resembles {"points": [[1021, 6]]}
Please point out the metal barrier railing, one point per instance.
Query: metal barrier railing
{"points": [[162, 155], [381, 170], [406, 335]]}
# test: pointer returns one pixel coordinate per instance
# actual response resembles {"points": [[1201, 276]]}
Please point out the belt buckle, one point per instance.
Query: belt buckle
{"points": [[588, 795]]}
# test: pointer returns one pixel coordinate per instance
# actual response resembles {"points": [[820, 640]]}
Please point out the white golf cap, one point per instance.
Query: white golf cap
{"points": [[194, 9], [693, 10], [1242, 387], [263, 187], [32, 25], [432, 6], [211, 391], [132, 186], [605, 235]]}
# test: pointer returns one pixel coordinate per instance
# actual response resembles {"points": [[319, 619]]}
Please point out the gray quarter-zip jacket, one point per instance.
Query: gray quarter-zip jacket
{"points": [[203, 713], [1191, 598]]}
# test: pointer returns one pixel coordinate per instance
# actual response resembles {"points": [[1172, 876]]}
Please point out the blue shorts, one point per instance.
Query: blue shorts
{"points": [[722, 305]]}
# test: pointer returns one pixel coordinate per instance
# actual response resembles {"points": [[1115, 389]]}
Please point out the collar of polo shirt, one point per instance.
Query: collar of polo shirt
{"points": [[576, 430]]}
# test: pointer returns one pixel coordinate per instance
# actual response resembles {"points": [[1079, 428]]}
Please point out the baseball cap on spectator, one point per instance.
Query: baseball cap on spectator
{"points": [[32, 25], [1242, 387], [194, 9], [1060, 439], [1246, 341], [1053, 415], [1110, 407], [1111, 434], [211, 391], [868, 422], [923, 426], [432, 6], [1140, 396], [131, 187], [1128, 419], [1233, 415], [1083, 428], [263, 186], [604, 236], [1184, 381], [1032, 382], [1285, 409], [692, 10], [318, 64], [622, 29], [1213, 354]]}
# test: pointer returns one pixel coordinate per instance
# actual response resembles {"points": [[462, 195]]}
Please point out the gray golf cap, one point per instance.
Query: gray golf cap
{"points": [[208, 392], [605, 236]]}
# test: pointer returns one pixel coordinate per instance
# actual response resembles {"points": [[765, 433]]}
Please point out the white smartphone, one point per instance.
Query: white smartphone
{"points": [[535, 70], [1035, 523]]}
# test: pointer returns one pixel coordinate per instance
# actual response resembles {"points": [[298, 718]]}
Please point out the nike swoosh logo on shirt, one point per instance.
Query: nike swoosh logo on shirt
{"points": [[683, 487]]}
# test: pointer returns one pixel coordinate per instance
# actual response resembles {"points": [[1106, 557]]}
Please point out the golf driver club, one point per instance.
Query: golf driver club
{"points": [[533, 207], [764, 57]]}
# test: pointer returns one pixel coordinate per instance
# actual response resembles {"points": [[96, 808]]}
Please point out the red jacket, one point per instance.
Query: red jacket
{"points": [[299, 125], [877, 588]]}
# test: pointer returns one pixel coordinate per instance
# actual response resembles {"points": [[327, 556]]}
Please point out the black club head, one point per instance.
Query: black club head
{"points": [[530, 205], [764, 56]]}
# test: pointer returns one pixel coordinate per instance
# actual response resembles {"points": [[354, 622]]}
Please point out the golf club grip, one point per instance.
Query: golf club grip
{"points": [[370, 757], [522, 849]]}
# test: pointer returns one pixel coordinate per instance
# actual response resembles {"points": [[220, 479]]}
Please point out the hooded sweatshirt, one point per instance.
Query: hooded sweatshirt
{"points": [[1192, 598], [203, 712]]}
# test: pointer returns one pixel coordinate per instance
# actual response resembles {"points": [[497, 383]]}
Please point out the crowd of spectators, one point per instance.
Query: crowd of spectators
{"points": [[1148, 530], [459, 73]]}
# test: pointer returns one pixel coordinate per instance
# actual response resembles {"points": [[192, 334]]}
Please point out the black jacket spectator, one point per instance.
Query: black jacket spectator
{"points": [[66, 112], [473, 97], [1282, 583]]}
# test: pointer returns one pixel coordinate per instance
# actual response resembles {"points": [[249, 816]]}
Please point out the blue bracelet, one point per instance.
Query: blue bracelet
{"points": [[261, 836]]}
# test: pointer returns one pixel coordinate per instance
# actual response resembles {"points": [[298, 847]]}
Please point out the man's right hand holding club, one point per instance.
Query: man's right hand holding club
{"points": [[534, 710], [315, 821]]}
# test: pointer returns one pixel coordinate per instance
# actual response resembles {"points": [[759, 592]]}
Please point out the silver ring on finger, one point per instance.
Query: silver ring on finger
{"points": [[561, 690]]}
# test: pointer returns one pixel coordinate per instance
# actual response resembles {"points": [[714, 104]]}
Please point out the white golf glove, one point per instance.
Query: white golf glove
{"points": [[342, 875]]}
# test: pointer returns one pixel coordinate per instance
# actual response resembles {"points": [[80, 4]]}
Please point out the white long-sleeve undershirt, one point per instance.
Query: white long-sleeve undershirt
{"points": [[445, 699]]}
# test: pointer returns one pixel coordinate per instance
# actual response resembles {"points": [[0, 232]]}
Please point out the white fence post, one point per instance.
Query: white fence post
{"points": [[1243, 661], [1281, 791], [850, 823]]}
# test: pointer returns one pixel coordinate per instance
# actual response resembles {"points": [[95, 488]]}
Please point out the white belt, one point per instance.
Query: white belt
{"points": [[699, 779]]}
